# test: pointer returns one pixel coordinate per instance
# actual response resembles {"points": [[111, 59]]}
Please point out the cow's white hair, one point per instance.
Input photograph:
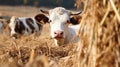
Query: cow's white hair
{"points": [[59, 11]]}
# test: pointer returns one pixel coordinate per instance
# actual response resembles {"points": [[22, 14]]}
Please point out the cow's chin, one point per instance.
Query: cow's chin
{"points": [[59, 41]]}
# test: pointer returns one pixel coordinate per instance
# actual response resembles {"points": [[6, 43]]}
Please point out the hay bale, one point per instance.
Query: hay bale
{"points": [[99, 34]]}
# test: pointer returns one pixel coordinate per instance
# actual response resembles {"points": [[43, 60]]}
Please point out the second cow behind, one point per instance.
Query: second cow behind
{"points": [[24, 26]]}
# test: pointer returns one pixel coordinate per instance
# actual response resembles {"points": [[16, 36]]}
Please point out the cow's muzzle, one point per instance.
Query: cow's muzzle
{"points": [[58, 34], [14, 36]]}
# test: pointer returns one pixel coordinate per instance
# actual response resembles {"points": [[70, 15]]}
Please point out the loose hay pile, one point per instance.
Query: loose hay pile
{"points": [[99, 44]]}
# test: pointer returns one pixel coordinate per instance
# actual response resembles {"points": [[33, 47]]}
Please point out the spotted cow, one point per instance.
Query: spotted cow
{"points": [[24, 26]]}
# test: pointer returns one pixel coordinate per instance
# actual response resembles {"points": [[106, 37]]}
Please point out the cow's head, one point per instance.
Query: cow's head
{"points": [[59, 18]]}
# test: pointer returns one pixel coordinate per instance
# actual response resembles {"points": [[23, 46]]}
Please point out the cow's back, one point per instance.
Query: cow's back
{"points": [[31, 24], [24, 26]]}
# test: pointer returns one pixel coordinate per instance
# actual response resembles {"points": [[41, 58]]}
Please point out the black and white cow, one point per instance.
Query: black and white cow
{"points": [[24, 26]]}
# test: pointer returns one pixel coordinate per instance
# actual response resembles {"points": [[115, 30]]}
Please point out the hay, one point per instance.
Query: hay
{"points": [[99, 44], [103, 34]]}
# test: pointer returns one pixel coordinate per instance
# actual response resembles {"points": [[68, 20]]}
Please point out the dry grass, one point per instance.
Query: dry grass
{"points": [[99, 44]]}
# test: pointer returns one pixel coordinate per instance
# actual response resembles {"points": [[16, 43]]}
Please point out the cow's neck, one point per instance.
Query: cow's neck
{"points": [[71, 35], [68, 37]]}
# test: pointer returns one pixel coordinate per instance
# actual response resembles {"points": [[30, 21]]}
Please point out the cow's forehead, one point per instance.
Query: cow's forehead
{"points": [[59, 13], [59, 10]]}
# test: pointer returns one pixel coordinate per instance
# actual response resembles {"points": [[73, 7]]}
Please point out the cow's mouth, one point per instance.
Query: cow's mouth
{"points": [[58, 37]]}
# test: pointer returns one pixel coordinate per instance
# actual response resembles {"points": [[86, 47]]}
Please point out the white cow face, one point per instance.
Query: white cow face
{"points": [[58, 29], [59, 18]]}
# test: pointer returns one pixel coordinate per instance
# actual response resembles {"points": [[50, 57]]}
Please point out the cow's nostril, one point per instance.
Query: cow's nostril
{"points": [[58, 33], [61, 33], [55, 33]]}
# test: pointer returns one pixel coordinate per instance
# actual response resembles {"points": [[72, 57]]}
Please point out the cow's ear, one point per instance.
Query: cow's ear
{"points": [[41, 18], [75, 19], [45, 12]]}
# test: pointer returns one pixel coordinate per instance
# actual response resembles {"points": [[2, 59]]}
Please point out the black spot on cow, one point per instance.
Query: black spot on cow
{"points": [[75, 20], [41, 17], [19, 27], [40, 26], [30, 23]]}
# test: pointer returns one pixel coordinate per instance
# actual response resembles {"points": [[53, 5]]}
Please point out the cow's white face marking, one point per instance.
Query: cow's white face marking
{"points": [[58, 18]]}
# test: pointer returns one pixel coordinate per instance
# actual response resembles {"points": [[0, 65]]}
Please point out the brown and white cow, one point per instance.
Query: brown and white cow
{"points": [[23, 26], [59, 19]]}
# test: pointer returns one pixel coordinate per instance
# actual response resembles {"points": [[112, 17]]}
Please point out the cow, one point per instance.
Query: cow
{"points": [[1, 26], [63, 24], [4, 21], [23, 26]]}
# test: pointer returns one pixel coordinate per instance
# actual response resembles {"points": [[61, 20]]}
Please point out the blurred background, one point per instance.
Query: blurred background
{"points": [[39, 3]]}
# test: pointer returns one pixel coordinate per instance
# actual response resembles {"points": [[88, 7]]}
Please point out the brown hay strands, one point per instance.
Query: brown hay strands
{"points": [[115, 10], [99, 45]]}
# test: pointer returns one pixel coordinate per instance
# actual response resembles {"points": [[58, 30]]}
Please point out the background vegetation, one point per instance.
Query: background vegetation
{"points": [[45, 3]]}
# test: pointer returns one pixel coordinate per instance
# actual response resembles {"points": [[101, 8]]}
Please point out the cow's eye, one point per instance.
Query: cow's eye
{"points": [[68, 21]]}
